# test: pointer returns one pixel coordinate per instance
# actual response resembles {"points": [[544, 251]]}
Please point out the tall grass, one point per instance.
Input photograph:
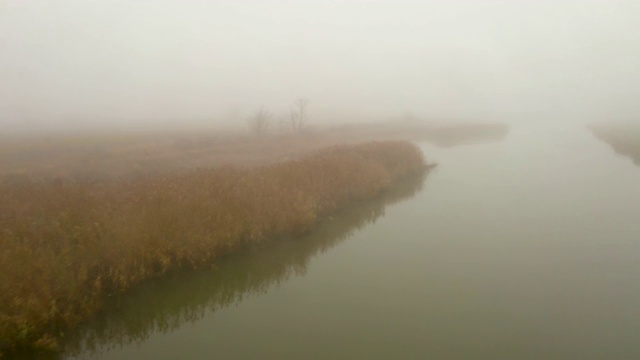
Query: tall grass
{"points": [[66, 245], [164, 304]]}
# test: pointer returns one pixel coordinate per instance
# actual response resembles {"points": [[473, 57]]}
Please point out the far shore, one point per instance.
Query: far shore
{"points": [[95, 156], [624, 138]]}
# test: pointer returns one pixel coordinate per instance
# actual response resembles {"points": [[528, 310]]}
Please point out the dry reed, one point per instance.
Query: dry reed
{"points": [[66, 245]]}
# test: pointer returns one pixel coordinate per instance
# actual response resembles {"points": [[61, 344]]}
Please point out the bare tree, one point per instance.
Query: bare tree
{"points": [[259, 121], [283, 123], [408, 117], [297, 115]]}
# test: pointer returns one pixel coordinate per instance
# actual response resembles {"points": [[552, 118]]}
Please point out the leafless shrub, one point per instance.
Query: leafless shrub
{"points": [[298, 115]]}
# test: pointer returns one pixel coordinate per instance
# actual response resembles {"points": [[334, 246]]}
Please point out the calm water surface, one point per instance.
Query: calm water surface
{"points": [[523, 249]]}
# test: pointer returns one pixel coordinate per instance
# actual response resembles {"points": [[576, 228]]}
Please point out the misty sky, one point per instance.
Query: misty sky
{"points": [[119, 63]]}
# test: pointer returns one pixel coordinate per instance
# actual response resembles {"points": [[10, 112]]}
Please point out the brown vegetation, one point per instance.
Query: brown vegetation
{"points": [[165, 303], [623, 138], [66, 244]]}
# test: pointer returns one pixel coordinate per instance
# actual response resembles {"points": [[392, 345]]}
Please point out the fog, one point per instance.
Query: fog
{"points": [[172, 181], [119, 64]]}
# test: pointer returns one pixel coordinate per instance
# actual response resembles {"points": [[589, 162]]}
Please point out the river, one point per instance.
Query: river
{"points": [[527, 248]]}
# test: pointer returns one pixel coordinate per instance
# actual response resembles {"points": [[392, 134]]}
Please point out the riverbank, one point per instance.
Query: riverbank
{"points": [[623, 138], [68, 244], [167, 303]]}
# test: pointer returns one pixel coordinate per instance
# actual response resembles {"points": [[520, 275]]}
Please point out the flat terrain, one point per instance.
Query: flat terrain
{"points": [[113, 155]]}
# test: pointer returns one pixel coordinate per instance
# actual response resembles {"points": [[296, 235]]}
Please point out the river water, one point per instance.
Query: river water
{"points": [[528, 248]]}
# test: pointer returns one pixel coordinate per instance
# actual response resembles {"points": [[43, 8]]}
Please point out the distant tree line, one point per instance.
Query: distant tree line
{"points": [[296, 121]]}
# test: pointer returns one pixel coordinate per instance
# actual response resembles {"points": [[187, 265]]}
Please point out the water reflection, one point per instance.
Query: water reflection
{"points": [[166, 304]]}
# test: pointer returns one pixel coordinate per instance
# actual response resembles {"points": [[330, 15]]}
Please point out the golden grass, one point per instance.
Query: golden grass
{"points": [[165, 303], [66, 245]]}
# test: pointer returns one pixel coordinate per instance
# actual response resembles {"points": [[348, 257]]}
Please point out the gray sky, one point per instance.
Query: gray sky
{"points": [[115, 63]]}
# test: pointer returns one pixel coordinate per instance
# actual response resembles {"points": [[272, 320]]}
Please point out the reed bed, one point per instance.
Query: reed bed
{"points": [[67, 245]]}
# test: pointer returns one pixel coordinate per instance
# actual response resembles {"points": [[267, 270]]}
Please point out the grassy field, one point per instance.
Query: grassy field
{"points": [[624, 138], [68, 243]]}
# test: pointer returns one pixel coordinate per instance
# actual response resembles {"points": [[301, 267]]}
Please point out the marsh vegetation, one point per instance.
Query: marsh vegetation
{"points": [[67, 244], [161, 161], [182, 298]]}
